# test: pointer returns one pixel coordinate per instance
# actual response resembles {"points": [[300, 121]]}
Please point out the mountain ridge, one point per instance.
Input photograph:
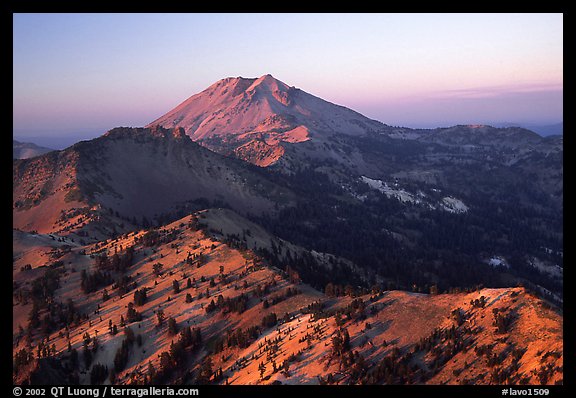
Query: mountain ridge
{"points": [[138, 172], [245, 312], [25, 150]]}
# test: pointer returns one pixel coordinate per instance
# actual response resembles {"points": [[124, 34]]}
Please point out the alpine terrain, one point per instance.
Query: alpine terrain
{"points": [[258, 234]]}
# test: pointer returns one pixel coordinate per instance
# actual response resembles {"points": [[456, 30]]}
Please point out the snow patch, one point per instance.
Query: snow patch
{"points": [[448, 203], [453, 205], [497, 261], [552, 270], [382, 186]]}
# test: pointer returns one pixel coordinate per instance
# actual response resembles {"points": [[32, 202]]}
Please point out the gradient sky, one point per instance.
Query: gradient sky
{"points": [[87, 73]]}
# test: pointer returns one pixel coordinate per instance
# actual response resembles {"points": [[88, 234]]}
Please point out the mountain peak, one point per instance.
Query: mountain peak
{"points": [[268, 78], [265, 113], [268, 83]]}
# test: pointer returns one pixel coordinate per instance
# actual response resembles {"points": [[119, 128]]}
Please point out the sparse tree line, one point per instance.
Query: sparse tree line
{"points": [[398, 367], [173, 362], [48, 314], [154, 237], [237, 304], [502, 320], [239, 337], [102, 275], [116, 262], [277, 298]]}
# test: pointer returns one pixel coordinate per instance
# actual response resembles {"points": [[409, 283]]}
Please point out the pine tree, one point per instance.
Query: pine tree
{"points": [[129, 333], [172, 326], [132, 315], [157, 268], [160, 316], [121, 356], [140, 297], [166, 363], [151, 373], [262, 369], [206, 371]]}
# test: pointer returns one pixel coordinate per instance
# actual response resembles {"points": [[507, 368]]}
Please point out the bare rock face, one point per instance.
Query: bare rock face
{"points": [[259, 152]]}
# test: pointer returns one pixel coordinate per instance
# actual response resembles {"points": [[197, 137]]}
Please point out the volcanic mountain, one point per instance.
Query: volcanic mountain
{"points": [[267, 123], [255, 119], [270, 124]]}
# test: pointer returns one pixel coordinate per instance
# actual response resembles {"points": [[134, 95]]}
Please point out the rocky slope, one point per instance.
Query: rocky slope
{"points": [[251, 323], [138, 174]]}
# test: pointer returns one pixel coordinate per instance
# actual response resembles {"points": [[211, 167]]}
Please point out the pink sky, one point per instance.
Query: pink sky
{"points": [[92, 72]]}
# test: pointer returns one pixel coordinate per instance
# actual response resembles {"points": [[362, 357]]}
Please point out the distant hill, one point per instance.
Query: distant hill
{"points": [[542, 129], [552, 129], [25, 150]]}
